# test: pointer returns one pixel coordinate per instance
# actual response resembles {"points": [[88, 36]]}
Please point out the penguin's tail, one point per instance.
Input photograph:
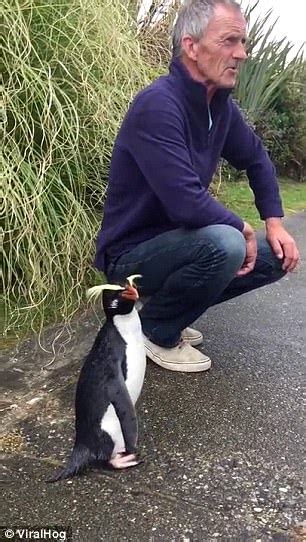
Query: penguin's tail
{"points": [[79, 460]]}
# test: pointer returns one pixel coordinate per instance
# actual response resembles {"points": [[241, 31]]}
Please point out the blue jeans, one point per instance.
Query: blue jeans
{"points": [[187, 271]]}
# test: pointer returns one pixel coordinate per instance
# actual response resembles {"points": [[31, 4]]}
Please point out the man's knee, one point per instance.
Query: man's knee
{"points": [[227, 241]]}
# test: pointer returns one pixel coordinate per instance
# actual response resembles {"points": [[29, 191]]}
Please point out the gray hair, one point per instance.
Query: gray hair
{"points": [[193, 18]]}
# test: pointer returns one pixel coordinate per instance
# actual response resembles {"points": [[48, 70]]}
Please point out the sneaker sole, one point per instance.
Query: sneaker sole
{"points": [[179, 367]]}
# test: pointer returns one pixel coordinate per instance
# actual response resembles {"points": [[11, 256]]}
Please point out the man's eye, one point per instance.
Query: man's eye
{"points": [[233, 40]]}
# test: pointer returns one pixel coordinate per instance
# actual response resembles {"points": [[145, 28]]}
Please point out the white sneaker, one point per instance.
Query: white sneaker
{"points": [[193, 336], [183, 357]]}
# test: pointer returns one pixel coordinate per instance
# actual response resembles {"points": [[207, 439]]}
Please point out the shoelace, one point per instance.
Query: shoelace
{"points": [[183, 343]]}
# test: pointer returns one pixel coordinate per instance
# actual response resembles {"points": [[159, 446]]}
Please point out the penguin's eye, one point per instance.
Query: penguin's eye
{"points": [[114, 304]]}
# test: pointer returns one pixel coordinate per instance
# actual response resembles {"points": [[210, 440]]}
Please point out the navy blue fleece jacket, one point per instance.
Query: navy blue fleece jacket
{"points": [[164, 159]]}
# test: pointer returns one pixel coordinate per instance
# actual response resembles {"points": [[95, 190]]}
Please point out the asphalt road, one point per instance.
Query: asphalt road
{"points": [[222, 450]]}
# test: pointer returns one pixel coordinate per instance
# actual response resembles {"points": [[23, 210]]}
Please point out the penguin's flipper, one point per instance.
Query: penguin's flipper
{"points": [[122, 403]]}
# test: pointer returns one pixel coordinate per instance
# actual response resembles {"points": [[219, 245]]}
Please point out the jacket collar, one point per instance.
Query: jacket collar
{"points": [[194, 90]]}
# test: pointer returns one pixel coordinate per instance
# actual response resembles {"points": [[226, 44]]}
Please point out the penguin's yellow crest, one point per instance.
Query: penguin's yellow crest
{"points": [[131, 279], [93, 293]]}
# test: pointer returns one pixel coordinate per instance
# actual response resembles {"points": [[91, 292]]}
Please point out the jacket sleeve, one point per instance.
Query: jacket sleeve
{"points": [[244, 150], [157, 142]]}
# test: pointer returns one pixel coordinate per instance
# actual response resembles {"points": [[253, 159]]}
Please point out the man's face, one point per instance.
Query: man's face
{"points": [[220, 52]]}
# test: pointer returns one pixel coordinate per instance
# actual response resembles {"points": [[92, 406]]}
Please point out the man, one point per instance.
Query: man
{"points": [[159, 218]]}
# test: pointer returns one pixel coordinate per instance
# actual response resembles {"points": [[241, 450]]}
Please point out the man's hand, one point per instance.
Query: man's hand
{"points": [[283, 245], [251, 250]]}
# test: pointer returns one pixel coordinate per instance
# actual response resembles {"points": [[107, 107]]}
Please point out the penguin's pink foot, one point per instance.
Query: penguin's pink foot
{"points": [[123, 461]]}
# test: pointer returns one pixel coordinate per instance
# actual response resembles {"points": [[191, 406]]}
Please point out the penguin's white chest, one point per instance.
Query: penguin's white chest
{"points": [[129, 327]]}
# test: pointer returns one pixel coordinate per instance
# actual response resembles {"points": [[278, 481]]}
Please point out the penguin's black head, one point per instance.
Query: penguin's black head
{"points": [[119, 301]]}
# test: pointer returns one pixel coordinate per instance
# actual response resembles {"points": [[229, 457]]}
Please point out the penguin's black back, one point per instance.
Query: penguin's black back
{"points": [[106, 357]]}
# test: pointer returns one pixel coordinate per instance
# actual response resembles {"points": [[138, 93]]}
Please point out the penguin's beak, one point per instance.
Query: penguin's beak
{"points": [[130, 293]]}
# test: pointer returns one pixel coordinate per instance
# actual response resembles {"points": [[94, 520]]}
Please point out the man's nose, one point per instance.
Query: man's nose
{"points": [[240, 52]]}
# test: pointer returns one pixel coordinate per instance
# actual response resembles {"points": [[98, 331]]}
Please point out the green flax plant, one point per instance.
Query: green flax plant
{"points": [[70, 69], [266, 73]]}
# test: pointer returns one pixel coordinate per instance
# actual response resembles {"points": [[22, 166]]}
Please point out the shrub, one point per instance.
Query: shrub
{"points": [[269, 90], [284, 129]]}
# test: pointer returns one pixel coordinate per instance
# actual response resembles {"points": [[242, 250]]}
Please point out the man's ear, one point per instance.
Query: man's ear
{"points": [[190, 47]]}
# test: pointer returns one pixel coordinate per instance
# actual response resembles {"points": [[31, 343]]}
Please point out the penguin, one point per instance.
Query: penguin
{"points": [[109, 385]]}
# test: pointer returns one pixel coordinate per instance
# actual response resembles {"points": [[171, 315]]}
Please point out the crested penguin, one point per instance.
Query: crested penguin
{"points": [[109, 385]]}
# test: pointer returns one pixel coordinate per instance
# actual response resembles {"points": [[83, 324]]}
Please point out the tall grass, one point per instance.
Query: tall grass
{"points": [[69, 70]]}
